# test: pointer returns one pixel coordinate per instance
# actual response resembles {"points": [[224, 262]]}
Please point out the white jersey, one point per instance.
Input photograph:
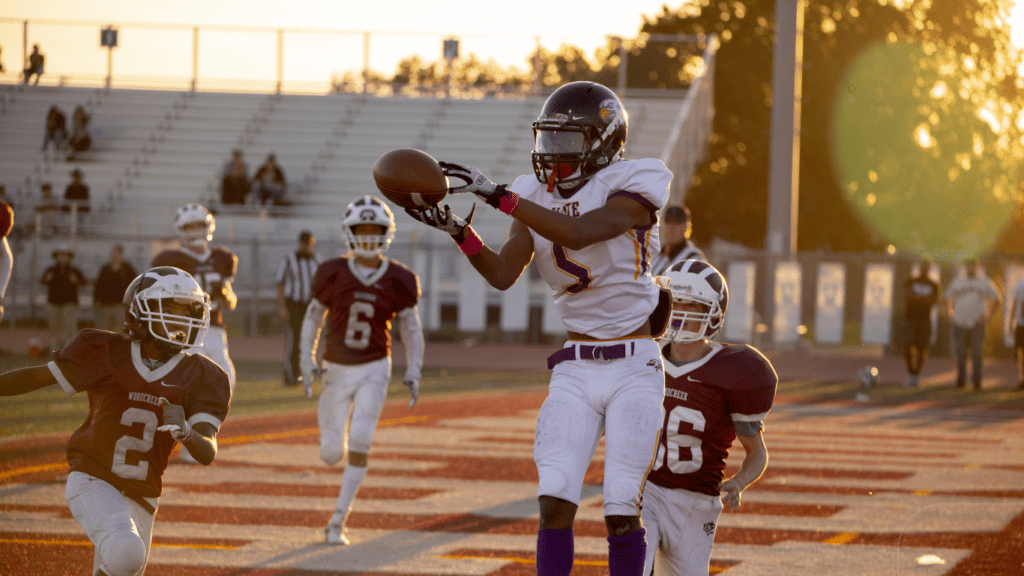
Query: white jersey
{"points": [[604, 290]]}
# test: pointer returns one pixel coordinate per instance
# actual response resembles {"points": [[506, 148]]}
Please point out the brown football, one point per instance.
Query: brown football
{"points": [[410, 178]]}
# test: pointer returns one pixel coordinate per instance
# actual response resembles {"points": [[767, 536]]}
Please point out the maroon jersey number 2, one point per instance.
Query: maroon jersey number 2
{"points": [[121, 467]]}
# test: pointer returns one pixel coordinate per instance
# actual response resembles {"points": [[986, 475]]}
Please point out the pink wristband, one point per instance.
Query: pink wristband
{"points": [[472, 245], [508, 202]]}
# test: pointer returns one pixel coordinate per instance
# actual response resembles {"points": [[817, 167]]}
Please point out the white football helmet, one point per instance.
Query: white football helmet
{"points": [[368, 210], [190, 214], [167, 304], [696, 281]]}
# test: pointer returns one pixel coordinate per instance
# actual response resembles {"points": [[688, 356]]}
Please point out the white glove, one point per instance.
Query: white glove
{"points": [[443, 221], [414, 391], [174, 421], [1009, 341], [308, 375], [472, 180]]}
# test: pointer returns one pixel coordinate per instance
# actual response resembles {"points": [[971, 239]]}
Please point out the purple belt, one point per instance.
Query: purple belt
{"points": [[602, 353]]}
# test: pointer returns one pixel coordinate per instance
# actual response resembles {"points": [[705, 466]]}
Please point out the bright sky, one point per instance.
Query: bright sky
{"points": [[505, 31]]}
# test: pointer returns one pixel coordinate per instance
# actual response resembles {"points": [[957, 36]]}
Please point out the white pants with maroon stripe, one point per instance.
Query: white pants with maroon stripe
{"points": [[621, 398], [359, 388], [120, 529], [680, 528]]}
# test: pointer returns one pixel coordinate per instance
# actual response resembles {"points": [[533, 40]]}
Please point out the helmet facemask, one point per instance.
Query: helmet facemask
{"points": [[195, 225], [368, 211], [680, 323], [176, 322], [368, 245], [696, 282]]}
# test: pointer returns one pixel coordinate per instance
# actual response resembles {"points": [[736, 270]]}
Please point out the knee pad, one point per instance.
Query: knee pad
{"points": [[123, 554], [331, 455]]}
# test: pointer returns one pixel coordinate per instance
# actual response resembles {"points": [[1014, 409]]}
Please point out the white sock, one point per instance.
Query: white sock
{"points": [[349, 487]]}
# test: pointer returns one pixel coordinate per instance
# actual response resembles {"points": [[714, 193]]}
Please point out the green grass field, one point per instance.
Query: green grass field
{"points": [[259, 391]]}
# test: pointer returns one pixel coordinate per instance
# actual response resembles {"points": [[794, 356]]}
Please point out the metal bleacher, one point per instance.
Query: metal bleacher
{"points": [[156, 150]]}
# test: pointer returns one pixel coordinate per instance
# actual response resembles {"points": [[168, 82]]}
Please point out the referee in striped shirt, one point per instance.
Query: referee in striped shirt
{"points": [[677, 227], [294, 291]]}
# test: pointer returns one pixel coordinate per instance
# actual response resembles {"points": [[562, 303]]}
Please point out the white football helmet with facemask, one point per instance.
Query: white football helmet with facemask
{"points": [[368, 210], [191, 214], [167, 304], [696, 282]]}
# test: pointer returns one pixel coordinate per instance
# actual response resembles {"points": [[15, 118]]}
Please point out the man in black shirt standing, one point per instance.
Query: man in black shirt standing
{"points": [[111, 284], [921, 293], [62, 281]]}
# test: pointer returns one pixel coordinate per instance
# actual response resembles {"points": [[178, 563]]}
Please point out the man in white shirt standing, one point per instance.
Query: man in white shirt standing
{"points": [[970, 300]]}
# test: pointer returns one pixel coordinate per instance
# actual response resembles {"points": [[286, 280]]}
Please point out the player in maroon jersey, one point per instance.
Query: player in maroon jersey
{"points": [[6, 257], [714, 393], [359, 294], [145, 393], [214, 269]]}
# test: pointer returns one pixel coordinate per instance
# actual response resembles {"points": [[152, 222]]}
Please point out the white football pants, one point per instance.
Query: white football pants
{"points": [[680, 528], [120, 529], [359, 389], [621, 398]]}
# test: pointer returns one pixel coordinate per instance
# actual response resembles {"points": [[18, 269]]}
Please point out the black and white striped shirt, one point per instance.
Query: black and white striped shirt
{"points": [[663, 261], [296, 275]]}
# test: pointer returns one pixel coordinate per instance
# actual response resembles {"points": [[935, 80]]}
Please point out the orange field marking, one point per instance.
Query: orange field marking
{"points": [[842, 538], [32, 469], [88, 543]]}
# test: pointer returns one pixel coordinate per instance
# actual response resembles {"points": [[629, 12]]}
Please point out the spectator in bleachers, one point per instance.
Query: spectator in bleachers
{"points": [[56, 128], [35, 64], [234, 180], [77, 193], [80, 140], [111, 284], [62, 281], [269, 184]]}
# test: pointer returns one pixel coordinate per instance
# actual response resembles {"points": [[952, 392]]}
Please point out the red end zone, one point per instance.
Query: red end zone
{"points": [[451, 489]]}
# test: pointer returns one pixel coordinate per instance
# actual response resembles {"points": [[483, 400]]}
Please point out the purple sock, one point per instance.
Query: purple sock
{"points": [[555, 551], [626, 553]]}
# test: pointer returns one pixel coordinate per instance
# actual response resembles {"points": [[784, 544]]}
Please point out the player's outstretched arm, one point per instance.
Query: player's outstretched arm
{"points": [[24, 380], [755, 461], [618, 215], [500, 269], [308, 339]]}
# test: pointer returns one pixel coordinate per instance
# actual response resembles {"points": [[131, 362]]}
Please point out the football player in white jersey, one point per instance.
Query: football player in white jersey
{"points": [[714, 393], [591, 219]]}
